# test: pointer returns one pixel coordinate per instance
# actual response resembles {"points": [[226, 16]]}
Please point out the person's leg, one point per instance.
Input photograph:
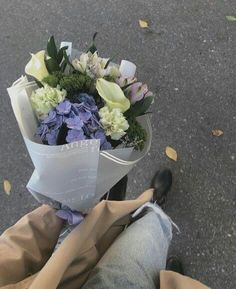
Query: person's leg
{"points": [[136, 257]]}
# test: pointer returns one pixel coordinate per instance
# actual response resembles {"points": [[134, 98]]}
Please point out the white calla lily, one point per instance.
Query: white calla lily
{"points": [[36, 66], [112, 94]]}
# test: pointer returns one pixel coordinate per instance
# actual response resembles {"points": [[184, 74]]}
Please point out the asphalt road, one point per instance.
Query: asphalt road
{"points": [[188, 59]]}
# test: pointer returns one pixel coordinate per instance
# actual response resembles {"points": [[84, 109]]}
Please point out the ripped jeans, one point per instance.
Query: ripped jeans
{"points": [[136, 257]]}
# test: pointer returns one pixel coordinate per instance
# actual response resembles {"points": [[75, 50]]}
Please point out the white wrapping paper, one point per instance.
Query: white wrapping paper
{"points": [[77, 174]]}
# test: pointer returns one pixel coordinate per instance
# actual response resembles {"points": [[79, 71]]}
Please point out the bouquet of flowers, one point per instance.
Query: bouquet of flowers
{"points": [[84, 121]]}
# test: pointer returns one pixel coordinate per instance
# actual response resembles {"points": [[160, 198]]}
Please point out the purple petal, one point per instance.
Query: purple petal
{"points": [[51, 137], [75, 135], [85, 116], [99, 134], [86, 131], [137, 91], [106, 146], [87, 99], [72, 217], [50, 118], [59, 122], [64, 107], [42, 130], [149, 93], [74, 123]]}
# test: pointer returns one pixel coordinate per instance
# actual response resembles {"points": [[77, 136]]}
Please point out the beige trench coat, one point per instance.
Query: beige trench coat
{"points": [[27, 260]]}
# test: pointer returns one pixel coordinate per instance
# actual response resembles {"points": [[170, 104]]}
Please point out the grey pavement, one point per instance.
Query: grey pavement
{"points": [[188, 58]]}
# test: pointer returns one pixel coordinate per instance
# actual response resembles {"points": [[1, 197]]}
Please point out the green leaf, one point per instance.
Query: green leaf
{"points": [[136, 134], [52, 65], [140, 107], [51, 48], [94, 36], [52, 80], [63, 65], [93, 47], [108, 62], [38, 82], [67, 60], [231, 18], [60, 54]]}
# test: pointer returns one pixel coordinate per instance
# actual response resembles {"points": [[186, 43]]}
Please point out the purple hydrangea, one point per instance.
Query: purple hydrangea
{"points": [[79, 120]]}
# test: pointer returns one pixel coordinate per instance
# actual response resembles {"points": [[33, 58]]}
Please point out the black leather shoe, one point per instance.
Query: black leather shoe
{"points": [[161, 183], [174, 264], [118, 192]]}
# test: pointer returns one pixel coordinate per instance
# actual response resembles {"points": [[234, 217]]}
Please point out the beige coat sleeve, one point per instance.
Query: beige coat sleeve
{"points": [[26, 246]]}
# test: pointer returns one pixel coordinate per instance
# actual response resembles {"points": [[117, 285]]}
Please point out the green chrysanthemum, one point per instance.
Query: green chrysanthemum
{"points": [[45, 98], [113, 122]]}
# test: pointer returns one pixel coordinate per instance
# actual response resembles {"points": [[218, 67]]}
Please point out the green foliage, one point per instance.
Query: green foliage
{"points": [[39, 83], [51, 48], [109, 78], [136, 135], [67, 60], [140, 107], [52, 65], [75, 83], [93, 47], [58, 58], [53, 79], [60, 54]]}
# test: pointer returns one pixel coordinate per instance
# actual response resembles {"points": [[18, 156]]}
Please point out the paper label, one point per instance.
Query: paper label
{"points": [[69, 49]]}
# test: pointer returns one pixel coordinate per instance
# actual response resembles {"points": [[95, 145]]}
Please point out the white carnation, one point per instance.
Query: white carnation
{"points": [[45, 98], [113, 122]]}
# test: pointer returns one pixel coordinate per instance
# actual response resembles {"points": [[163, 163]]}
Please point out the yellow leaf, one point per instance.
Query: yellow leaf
{"points": [[171, 153], [143, 24], [7, 187], [217, 132]]}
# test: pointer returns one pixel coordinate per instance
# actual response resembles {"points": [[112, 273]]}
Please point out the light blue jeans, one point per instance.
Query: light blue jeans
{"points": [[136, 257]]}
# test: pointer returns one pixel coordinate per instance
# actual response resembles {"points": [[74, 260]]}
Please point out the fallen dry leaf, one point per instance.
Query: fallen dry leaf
{"points": [[171, 153], [143, 24], [231, 18], [7, 187], [217, 132]]}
